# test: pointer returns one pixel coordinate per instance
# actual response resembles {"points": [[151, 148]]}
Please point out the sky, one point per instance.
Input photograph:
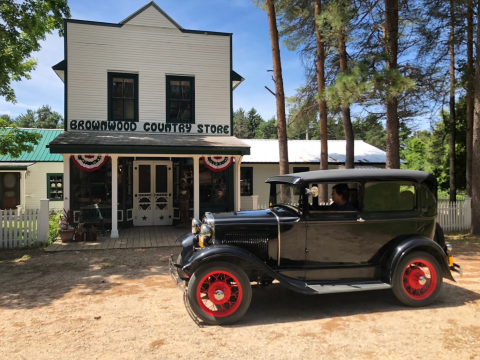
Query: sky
{"points": [[252, 55]]}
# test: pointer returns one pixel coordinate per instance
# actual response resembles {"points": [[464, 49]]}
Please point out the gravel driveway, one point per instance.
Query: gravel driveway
{"points": [[122, 304]]}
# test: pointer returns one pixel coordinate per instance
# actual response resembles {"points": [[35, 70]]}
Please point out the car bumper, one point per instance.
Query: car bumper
{"points": [[182, 284], [457, 268]]}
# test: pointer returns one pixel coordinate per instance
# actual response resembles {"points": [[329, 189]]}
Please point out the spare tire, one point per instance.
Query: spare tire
{"points": [[439, 237]]}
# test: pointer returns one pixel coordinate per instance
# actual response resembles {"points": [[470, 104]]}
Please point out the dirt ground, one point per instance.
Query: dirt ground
{"points": [[122, 304]]}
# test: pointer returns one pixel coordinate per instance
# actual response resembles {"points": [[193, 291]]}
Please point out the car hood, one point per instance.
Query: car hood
{"points": [[255, 217]]}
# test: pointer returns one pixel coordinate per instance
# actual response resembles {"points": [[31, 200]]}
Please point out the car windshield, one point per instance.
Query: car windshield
{"points": [[287, 195]]}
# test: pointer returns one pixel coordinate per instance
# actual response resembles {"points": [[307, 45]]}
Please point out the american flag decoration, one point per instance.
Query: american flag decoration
{"points": [[89, 162], [217, 163]]}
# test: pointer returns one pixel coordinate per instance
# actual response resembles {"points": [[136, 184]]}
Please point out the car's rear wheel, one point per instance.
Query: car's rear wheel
{"points": [[418, 279], [219, 293]]}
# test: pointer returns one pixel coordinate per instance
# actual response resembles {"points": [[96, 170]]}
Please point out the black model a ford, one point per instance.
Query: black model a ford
{"points": [[380, 232]]}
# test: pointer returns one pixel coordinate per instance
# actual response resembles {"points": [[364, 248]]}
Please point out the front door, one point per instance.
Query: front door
{"points": [[152, 185], [10, 190]]}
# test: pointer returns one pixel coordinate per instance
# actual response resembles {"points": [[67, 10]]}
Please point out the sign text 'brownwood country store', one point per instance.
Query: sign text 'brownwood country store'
{"points": [[159, 127]]}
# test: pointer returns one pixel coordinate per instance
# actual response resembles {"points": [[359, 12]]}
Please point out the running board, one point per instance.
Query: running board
{"points": [[330, 289]]}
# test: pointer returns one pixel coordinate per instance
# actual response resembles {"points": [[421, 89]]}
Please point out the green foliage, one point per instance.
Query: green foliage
{"points": [[14, 141], [23, 25], [53, 227], [43, 118], [267, 130], [7, 118], [245, 125]]}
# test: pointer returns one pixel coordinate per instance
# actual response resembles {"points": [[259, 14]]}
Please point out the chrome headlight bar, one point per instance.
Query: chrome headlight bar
{"points": [[196, 226]]}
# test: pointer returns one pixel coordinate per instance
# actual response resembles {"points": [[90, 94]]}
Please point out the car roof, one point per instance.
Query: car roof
{"points": [[352, 175]]}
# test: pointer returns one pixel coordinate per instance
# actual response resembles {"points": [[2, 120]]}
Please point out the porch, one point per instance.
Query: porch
{"points": [[135, 237]]}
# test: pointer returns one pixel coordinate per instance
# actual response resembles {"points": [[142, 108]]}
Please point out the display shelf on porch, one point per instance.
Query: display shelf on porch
{"points": [[137, 237]]}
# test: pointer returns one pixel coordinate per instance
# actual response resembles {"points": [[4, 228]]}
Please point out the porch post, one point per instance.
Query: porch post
{"points": [[66, 181], [196, 187], [114, 233], [236, 171], [23, 195]]}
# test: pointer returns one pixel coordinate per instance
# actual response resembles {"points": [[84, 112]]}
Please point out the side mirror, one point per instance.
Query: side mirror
{"points": [[313, 191]]}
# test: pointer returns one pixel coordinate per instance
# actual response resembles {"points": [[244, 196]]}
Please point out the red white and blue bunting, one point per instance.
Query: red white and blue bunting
{"points": [[217, 163], [89, 162]]}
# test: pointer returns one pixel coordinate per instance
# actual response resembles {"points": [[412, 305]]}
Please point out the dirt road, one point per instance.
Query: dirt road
{"points": [[122, 304]]}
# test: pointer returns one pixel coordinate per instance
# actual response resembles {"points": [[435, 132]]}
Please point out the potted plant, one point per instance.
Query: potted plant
{"points": [[65, 226], [91, 235], [80, 233]]}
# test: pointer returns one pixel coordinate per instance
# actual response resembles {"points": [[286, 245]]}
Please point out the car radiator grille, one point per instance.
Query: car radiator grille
{"points": [[257, 244]]}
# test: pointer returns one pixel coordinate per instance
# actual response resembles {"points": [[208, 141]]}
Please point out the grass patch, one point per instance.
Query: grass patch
{"points": [[107, 264], [462, 237]]}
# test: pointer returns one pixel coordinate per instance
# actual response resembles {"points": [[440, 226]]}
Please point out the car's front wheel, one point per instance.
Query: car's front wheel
{"points": [[219, 293], [418, 279]]}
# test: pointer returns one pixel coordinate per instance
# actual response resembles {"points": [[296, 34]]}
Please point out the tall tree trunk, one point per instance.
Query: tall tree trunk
{"points": [[322, 104], [391, 49], [347, 121], [470, 95], [279, 93], [453, 190], [476, 141]]}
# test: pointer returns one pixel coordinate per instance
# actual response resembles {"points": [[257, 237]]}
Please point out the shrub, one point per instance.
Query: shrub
{"points": [[53, 227]]}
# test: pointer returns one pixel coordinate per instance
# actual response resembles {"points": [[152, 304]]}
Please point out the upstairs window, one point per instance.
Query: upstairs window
{"points": [[180, 99], [122, 97]]}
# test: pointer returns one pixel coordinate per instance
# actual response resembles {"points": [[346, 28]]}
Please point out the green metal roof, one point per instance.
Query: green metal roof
{"points": [[40, 152]]}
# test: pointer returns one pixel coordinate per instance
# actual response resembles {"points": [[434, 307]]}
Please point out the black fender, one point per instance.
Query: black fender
{"points": [[229, 252], [391, 259], [188, 241]]}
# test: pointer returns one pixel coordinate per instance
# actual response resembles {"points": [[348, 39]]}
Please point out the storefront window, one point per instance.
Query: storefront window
{"points": [[213, 186], [88, 188]]}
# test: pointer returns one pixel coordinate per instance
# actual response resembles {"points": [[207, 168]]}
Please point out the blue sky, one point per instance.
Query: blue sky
{"points": [[252, 55]]}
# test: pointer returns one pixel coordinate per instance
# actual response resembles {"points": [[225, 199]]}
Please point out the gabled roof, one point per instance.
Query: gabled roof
{"points": [[308, 151], [153, 5], [40, 152], [150, 5]]}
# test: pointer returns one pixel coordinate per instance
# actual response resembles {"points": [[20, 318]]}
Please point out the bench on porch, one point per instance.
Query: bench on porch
{"points": [[96, 215]]}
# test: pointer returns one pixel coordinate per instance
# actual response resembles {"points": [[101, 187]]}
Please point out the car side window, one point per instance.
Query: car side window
{"points": [[342, 201], [390, 196]]}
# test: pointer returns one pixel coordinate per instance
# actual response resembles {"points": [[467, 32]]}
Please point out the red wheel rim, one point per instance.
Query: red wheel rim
{"points": [[219, 294], [419, 279]]}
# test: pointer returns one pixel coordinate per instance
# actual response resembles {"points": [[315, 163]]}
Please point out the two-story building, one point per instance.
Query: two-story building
{"points": [[148, 120]]}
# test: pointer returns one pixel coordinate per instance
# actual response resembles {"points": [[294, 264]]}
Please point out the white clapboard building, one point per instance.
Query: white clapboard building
{"points": [[148, 121]]}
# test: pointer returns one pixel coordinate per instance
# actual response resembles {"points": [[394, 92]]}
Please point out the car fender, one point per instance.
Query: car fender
{"points": [[392, 258], [227, 252]]}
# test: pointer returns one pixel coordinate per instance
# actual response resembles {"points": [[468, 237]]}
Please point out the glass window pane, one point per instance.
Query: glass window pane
{"points": [[180, 110], [185, 90], [389, 196], [175, 89], [144, 180], [129, 109], [117, 108], [129, 89], [117, 87], [161, 178]]}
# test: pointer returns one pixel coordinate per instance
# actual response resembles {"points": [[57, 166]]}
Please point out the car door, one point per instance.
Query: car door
{"points": [[335, 243]]}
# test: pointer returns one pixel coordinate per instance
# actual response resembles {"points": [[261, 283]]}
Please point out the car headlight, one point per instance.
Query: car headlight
{"points": [[205, 235], [196, 226]]}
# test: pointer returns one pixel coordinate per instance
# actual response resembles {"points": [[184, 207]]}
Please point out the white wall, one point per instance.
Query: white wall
{"points": [[35, 185], [152, 52]]}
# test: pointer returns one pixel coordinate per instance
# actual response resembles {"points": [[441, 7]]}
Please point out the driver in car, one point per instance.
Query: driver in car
{"points": [[340, 197]]}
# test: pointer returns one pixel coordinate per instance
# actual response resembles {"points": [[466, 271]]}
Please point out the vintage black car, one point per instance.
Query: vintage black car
{"points": [[380, 233]]}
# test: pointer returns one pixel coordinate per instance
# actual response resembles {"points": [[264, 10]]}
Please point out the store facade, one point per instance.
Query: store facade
{"points": [[148, 121]]}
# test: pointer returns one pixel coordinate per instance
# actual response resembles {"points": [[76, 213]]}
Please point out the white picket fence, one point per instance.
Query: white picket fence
{"points": [[454, 215], [23, 228]]}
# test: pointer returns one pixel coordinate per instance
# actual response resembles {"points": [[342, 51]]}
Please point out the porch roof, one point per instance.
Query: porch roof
{"points": [[79, 142], [15, 165]]}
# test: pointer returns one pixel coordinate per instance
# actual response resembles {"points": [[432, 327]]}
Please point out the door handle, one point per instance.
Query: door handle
{"points": [[360, 220]]}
